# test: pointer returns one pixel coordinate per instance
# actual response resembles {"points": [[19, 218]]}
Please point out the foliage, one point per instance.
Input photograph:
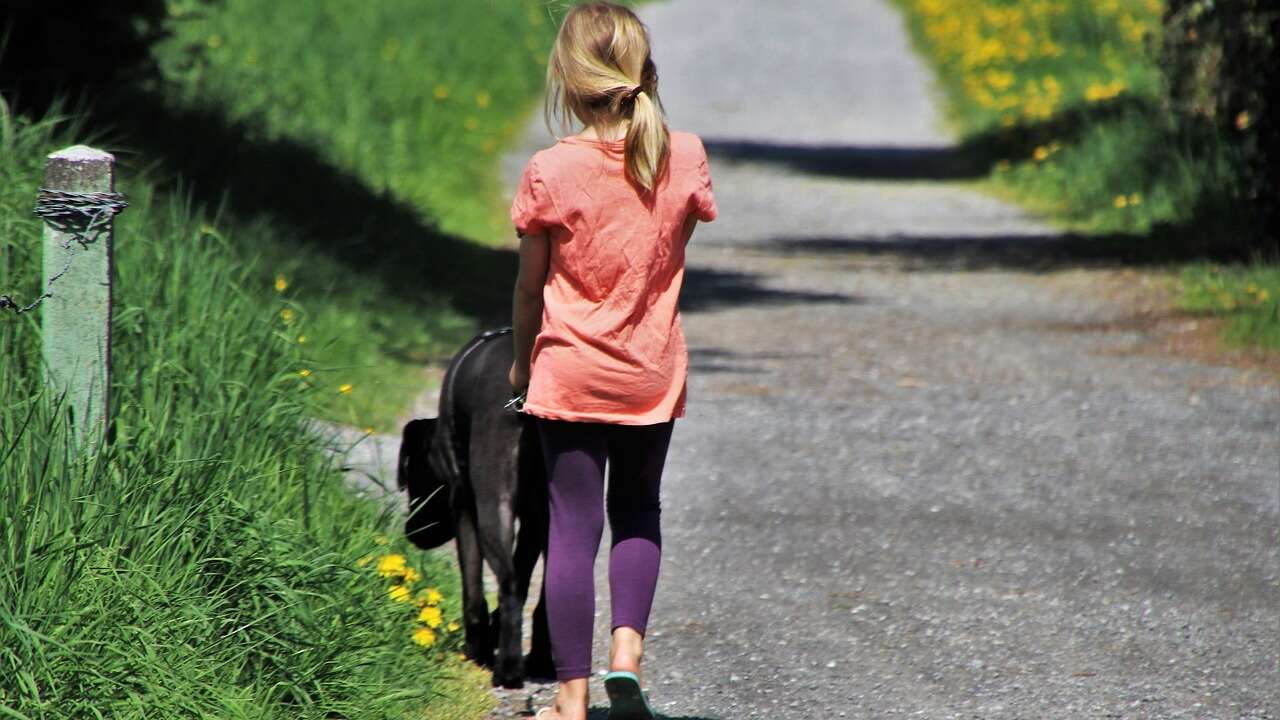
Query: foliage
{"points": [[1222, 65], [1248, 295], [205, 563]]}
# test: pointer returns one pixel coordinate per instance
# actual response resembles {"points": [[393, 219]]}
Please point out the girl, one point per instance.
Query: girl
{"points": [[600, 358]]}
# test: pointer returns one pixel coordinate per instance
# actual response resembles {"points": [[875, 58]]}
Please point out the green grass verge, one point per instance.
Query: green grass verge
{"points": [[1248, 295], [1060, 106], [205, 564]]}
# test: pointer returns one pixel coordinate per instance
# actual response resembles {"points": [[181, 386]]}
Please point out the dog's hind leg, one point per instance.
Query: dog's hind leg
{"points": [[495, 510], [475, 609]]}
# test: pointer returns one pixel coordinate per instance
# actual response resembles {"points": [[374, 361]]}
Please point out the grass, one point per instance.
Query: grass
{"points": [[1063, 103], [1248, 295], [206, 562], [353, 148]]}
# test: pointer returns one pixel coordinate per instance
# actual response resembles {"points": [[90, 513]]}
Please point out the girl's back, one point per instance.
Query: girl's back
{"points": [[611, 348]]}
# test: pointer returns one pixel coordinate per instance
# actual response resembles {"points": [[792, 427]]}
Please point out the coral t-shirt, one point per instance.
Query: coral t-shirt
{"points": [[611, 348]]}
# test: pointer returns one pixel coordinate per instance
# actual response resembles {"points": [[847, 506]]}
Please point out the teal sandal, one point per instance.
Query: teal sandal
{"points": [[626, 700]]}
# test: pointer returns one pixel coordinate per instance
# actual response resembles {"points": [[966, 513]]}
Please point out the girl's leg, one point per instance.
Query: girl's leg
{"points": [[575, 456], [637, 454]]}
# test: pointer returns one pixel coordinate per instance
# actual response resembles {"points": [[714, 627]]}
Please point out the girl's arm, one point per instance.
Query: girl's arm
{"points": [[690, 222], [526, 304]]}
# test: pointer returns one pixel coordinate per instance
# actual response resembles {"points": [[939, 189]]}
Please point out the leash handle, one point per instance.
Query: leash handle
{"points": [[517, 402]]}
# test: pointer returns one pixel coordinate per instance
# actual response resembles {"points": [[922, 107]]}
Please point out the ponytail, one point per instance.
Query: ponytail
{"points": [[592, 73]]}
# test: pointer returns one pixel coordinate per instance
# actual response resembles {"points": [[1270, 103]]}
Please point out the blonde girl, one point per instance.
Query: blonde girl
{"points": [[603, 217]]}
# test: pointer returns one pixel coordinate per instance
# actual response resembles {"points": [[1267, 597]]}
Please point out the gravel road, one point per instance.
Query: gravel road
{"points": [[927, 468]]}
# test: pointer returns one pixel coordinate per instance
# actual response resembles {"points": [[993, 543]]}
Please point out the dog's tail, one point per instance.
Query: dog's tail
{"points": [[430, 521]]}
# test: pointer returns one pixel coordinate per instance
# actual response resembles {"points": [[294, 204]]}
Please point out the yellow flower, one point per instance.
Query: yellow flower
{"points": [[441, 92], [281, 283], [345, 388], [431, 616], [399, 593], [432, 596], [214, 41], [364, 561], [286, 315], [452, 626], [302, 339], [304, 372], [1263, 296], [424, 637], [390, 565], [1002, 165], [411, 576], [1040, 154], [1243, 121], [1120, 201], [483, 99], [1135, 199]]}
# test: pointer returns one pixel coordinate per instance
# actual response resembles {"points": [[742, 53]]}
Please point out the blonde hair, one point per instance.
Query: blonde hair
{"points": [[601, 71]]}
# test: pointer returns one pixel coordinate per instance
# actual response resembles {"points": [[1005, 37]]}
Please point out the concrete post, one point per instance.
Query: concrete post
{"points": [[76, 317]]}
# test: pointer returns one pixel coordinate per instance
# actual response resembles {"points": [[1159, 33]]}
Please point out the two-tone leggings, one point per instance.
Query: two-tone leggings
{"points": [[575, 454]]}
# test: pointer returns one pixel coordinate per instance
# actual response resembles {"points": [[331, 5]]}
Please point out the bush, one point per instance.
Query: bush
{"points": [[1221, 63]]}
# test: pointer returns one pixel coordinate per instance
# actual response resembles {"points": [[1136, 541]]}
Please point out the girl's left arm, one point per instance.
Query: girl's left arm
{"points": [[526, 304]]}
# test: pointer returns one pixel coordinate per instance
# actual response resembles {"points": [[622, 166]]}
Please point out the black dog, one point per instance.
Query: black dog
{"points": [[472, 472]]}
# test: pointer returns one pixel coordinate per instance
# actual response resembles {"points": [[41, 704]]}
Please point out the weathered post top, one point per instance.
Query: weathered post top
{"points": [[80, 168]]}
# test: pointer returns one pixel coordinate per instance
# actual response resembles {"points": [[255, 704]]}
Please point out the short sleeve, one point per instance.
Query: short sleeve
{"points": [[532, 210], [704, 201]]}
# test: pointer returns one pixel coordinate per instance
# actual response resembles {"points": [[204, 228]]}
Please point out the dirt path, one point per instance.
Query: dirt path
{"points": [[929, 467]]}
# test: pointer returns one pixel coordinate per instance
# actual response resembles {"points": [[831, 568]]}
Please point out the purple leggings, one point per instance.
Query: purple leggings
{"points": [[575, 454]]}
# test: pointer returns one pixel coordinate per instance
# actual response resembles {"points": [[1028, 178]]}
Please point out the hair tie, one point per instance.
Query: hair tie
{"points": [[631, 95]]}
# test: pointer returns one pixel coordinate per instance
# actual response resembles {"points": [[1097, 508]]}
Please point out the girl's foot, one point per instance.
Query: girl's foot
{"points": [[570, 703], [627, 651]]}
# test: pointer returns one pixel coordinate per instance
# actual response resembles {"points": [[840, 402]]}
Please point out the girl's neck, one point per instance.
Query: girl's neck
{"points": [[615, 133]]}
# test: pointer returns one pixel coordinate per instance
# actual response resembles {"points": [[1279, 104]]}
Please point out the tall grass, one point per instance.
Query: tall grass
{"points": [[203, 564]]}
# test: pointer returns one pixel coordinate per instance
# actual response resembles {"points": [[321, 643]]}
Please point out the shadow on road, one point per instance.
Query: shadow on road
{"points": [[1028, 253], [710, 289], [871, 163]]}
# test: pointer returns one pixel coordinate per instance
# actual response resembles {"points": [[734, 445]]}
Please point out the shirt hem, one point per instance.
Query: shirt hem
{"points": [[613, 418]]}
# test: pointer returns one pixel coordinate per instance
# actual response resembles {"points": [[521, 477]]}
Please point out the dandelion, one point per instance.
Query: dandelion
{"points": [[345, 388], [304, 372], [286, 315], [430, 616], [391, 565], [281, 283], [424, 637], [1135, 199], [302, 339], [441, 92], [483, 99], [214, 41], [410, 576], [431, 596], [1120, 201], [398, 593], [1040, 154], [453, 626], [1263, 296], [1243, 120], [381, 540], [364, 561]]}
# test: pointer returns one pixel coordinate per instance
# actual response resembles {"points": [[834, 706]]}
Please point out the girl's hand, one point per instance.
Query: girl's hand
{"points": [[519, 377]]}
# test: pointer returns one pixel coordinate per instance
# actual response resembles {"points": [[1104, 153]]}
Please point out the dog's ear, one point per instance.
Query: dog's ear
{"points": [[414, 441]]}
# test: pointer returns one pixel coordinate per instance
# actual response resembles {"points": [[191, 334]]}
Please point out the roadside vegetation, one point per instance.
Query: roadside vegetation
{"points": [[209, 561], [1126, 120], [315, 214]]}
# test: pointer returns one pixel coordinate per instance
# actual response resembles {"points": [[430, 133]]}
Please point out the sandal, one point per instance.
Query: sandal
{"points": [[626, 700], [538, 715]]}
